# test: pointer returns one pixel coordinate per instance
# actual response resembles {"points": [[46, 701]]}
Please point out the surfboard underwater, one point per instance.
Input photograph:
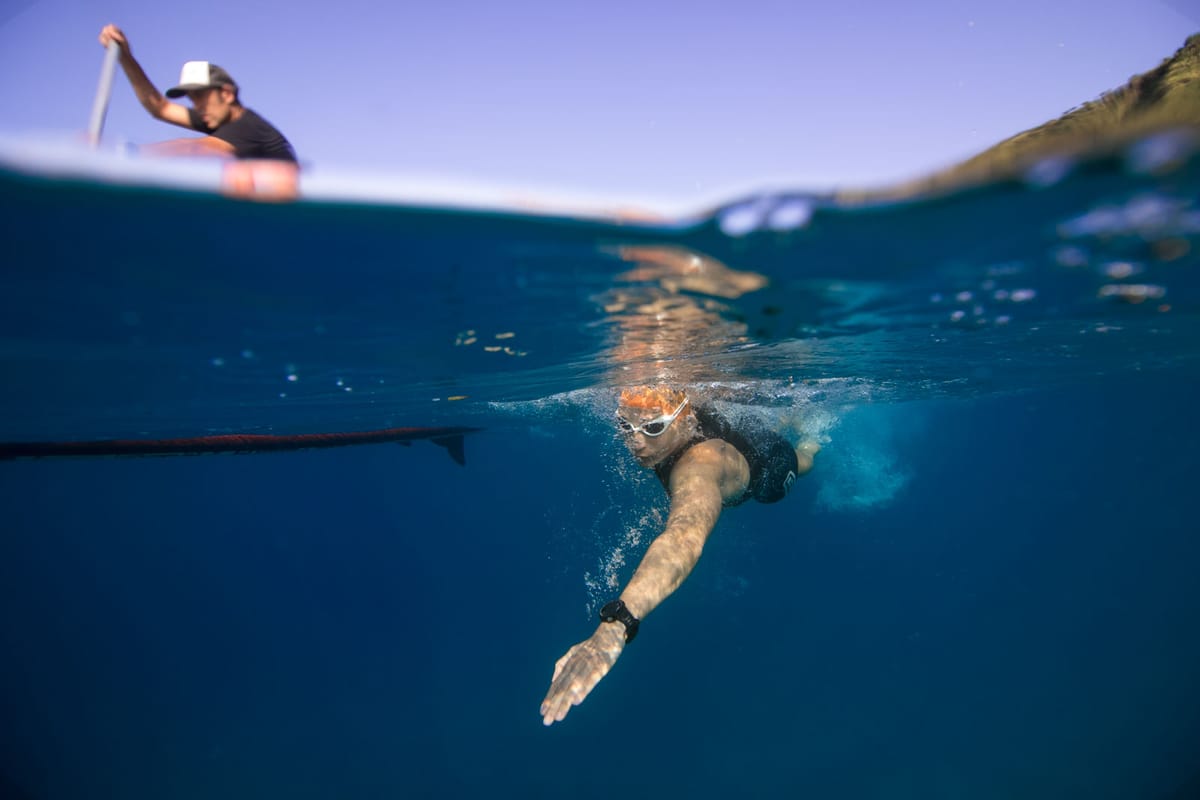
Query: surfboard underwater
{"points": [[450, 438]]}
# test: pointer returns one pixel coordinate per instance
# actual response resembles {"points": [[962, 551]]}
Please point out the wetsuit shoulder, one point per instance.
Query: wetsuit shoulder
{"points": [[771, 457]]}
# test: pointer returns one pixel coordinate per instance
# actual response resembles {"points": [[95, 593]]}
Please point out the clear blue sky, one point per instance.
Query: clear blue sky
{"points": [[661, 99]]}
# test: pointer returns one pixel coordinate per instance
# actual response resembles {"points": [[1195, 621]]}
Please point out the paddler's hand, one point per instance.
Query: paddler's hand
{"points": [[111, 33], [578, 672]]}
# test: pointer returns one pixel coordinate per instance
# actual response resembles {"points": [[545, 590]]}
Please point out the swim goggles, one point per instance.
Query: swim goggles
{"points": [[655, 427]]}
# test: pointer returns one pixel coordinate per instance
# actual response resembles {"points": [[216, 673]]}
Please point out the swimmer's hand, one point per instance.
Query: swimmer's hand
{"points": [[578, 672]]}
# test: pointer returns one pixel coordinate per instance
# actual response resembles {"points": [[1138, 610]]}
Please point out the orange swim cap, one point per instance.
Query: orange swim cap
{"points": [[655, 398]]}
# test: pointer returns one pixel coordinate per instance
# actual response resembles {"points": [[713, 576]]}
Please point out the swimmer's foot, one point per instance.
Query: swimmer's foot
{"points": [[804, 456]]}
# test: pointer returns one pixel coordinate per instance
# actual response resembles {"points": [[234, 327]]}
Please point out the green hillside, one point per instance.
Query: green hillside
{"points": [[1167, 96]]}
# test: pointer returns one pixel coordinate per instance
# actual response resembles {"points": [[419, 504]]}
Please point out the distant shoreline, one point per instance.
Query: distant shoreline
{"points": [[1164, 98]]}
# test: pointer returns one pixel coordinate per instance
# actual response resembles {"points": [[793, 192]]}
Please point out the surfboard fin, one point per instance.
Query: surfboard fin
{"points": [[454, 446]]}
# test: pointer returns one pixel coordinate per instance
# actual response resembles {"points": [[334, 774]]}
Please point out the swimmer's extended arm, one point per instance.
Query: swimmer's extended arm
{"points": [[707, 475]]}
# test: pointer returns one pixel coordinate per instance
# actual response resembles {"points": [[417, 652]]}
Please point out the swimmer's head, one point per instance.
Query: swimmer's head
{"points": [[656, 421], [662, 399]]}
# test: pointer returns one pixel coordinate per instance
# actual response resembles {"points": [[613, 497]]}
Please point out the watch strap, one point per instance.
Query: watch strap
{"points": [[615, 611]]}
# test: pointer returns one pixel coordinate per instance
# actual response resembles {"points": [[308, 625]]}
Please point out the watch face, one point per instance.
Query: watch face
{"points": [[609, 612]]}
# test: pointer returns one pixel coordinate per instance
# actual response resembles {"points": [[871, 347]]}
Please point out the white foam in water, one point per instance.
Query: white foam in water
{"points": [[865, 471], [865, 477]]}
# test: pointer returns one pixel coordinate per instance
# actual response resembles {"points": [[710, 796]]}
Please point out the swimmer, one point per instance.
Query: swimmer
{"points": [[706, 463]]}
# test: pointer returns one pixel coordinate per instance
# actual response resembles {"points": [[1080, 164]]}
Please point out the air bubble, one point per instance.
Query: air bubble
{"points": [[1161, 153], [790, 215], [1048, 172], [741, 220]]}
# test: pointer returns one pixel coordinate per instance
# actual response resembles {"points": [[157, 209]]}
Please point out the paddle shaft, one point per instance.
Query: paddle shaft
{"points": [[103, 93]]}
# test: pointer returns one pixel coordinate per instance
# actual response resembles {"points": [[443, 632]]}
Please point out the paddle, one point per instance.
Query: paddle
{"points": [[103, 93]]}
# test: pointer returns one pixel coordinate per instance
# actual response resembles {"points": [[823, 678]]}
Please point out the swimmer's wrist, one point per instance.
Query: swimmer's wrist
{"points": [[610, 636]]}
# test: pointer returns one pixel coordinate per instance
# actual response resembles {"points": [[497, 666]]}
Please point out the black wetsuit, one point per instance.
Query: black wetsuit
{"points": [[771, 457]]}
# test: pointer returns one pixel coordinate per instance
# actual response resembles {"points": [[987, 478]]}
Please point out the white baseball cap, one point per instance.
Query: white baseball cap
{"points": [[200, 75]]}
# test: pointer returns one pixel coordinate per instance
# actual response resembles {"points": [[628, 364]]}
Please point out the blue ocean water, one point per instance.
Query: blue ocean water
{"points": [[985, 588]]}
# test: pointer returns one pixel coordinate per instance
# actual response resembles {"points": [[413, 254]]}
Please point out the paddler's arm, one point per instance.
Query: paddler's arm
{"points": [[148, 95], [708, 474]]}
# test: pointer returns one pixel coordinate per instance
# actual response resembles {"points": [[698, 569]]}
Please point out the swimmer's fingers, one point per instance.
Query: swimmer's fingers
{"points": [[578, 672]]}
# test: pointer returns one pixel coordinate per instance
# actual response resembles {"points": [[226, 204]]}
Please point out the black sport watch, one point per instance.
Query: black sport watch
{"points": [[615, 611]]}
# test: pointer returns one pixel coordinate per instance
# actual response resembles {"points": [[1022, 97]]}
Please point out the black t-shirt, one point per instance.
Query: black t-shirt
{"points": [[251, 136]]}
